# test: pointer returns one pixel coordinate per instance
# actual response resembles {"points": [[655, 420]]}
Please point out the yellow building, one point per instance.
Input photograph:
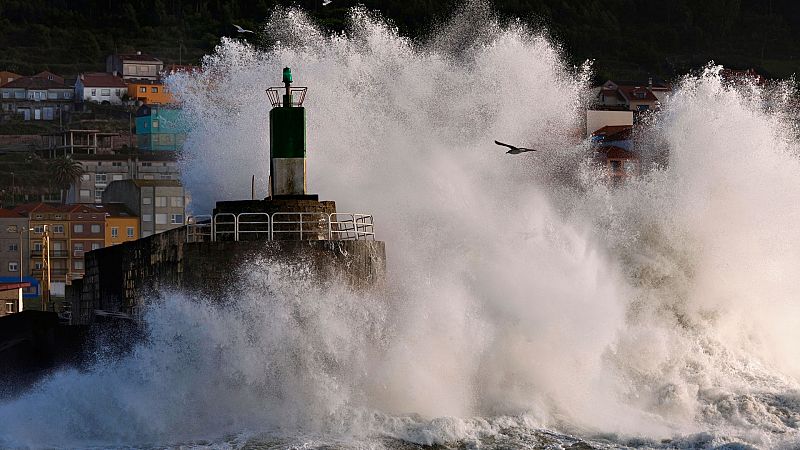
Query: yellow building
{"points": [[149, 92], [57, 219], [122, 225]]}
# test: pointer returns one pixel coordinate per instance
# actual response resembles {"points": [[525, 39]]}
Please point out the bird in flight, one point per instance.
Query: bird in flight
{"points": [[515, 150], [242, 30], [326, 2]]}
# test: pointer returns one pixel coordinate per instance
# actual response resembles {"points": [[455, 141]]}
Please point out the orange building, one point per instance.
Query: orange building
{"points": [[148, 92], [122, 225]]}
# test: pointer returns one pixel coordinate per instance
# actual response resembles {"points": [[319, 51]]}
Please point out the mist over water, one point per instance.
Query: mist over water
{"points": [[524, 293]]}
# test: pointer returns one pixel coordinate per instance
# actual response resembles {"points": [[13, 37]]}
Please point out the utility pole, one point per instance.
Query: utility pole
{"points": [[21, 261], [46, 267]]}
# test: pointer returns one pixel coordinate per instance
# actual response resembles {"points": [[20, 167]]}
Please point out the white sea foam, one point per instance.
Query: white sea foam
{"points": [[523, 292]]}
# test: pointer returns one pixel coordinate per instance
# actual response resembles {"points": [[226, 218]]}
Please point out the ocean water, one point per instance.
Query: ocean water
{"points": [[528, 303]]}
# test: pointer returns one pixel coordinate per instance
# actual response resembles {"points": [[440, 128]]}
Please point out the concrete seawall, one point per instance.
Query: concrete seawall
{"points": [[122, 278]]}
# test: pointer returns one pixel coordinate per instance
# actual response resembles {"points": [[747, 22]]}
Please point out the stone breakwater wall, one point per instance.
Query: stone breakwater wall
{"points": [[122, 278]]}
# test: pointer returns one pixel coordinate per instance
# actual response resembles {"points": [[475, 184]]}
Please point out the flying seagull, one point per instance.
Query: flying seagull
{"points": [[326, 2], [514, 150], [242, 30]]}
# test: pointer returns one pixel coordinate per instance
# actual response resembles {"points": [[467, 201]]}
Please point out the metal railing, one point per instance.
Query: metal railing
{"points": [[199, 228], [280, 226]]}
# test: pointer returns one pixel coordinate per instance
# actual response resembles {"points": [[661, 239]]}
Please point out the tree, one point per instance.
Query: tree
{"points": [[63, 171]]}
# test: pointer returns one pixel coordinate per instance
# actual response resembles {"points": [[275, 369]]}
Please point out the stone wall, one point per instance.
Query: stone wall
{"points": [[122, 278]]}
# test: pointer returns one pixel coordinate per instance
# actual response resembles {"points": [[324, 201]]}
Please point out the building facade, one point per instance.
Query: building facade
{"points": [[148, 92], [135, 66], [100, 87], [122, 225], [56, 219], [36, 98], [100, 170], [14, 261], [160, 205], [159, 128], [87, 233]]}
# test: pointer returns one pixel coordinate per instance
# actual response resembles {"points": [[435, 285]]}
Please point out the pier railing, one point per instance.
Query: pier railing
{"points": [[280, 226]]}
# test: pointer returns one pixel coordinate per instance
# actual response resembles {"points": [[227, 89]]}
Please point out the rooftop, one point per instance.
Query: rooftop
{"points": [[9, 214], [35, 83], [138, 56], [102, 79]]}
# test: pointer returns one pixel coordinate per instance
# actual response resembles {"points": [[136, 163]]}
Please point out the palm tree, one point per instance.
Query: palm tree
{"points": [[64, 171]]}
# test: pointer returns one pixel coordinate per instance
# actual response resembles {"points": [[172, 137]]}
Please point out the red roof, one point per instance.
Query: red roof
{"points": [[5, 286], [35, 83], [102, 80], [50, 76], [637, 93], [28, 208], [615, 132], [9, 214]]}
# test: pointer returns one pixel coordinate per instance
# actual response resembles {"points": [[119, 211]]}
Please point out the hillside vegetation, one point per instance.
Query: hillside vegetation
{"points": [[627, 38]]}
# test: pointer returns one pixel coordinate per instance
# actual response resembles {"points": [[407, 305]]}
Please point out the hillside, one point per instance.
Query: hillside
{"points": [[627, 38]]}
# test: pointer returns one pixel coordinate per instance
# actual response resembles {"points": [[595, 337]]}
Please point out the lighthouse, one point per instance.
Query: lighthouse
{"points": [[287, 140]]}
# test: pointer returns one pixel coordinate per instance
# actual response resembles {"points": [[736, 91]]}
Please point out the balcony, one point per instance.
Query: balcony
{"points": [[53, 253]]}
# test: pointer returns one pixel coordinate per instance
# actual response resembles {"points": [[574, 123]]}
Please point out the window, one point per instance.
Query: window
{"points": [[117, 177], [147, 164], [10, 307], [85, 177], [130, 232], [78, 228], [147, 217], [114, 232], [100, 178], [155, 124], [177, 219], [95, 228], [6, 94], [38, 229], [105, 92], [85, 193], [37, 265], [58, 229], [161, 201], [118, 92], [78, 249], [12, 229], [147, 201], [165, 176], [154, 90], [95, 245], [13, 247], [13, 267], [67, 94], [116, 164], [643, 107], [78, 265], [94, 92], [161, 219], [176, 202], [142, 89], [37, 247], [98, 196]]}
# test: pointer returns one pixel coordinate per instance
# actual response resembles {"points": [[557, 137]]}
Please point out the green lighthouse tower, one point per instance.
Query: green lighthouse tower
{"points": [[287, 139]]}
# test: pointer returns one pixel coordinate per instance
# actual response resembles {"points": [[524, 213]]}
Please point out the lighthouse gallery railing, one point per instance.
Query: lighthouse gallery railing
{"points": [[280, 226]]}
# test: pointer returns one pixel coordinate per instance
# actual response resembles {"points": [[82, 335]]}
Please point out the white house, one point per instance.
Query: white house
{"points": [[100, 87]]}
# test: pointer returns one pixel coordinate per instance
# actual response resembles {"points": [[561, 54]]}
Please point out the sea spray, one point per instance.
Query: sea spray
{"points": [[524, 293]]}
